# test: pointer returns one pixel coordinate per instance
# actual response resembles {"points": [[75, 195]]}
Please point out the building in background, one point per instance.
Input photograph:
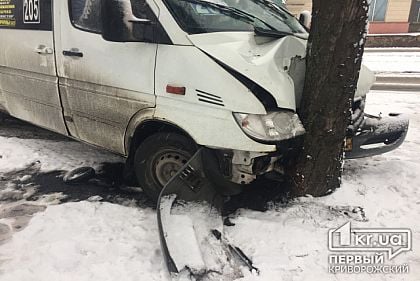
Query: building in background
{"points": [[297, 6], [415, 16], [385, 16]]}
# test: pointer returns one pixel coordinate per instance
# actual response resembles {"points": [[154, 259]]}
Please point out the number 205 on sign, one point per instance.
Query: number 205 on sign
{"points": [[31, 11]]}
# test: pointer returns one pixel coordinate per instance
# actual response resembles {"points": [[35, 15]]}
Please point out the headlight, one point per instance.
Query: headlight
{"points": [[275, 126]]}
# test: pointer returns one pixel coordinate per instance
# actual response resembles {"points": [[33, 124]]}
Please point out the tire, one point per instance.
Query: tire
{"points": [[158, 158], [79, 175], [2, 117], [161, 155]]}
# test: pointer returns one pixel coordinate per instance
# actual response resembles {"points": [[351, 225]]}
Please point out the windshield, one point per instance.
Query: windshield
{"points": [[205, 16]]}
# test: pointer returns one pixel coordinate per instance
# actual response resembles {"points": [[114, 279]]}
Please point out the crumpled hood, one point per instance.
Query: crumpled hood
{"points": [[264, 62], [268, 62]]}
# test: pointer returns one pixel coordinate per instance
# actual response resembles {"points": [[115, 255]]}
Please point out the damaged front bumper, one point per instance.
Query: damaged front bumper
{"points": [[370, 135], [366, 136], [376, 135]]}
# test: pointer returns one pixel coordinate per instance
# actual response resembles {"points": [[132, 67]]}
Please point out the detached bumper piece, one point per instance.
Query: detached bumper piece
{"points": [[376, 135], [191, 227]]}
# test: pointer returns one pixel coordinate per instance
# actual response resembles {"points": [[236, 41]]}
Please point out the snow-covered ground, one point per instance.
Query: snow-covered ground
{"points": [[81, 233], [399, 63], [292, 244]]}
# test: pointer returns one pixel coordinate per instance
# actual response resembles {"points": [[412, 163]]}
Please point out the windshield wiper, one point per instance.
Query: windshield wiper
{"points": [[273, 6], [277, 33], [271, 33], [283, 13], [231, 11]]}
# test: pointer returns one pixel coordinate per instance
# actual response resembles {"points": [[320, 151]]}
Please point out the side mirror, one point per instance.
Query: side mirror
{"points": [[305, 19], [119, 24]]}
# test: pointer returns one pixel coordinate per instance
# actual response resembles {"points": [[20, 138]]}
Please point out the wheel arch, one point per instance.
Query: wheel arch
{"points": [[145, 124], [150, 127], [140, 133]]}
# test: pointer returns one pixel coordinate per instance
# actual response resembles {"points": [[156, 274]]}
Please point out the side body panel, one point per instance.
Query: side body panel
{"points": [[102, 90], [28, 81]]}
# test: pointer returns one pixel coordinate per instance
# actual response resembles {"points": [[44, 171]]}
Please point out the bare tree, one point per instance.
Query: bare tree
{"points": [[335, 50]]}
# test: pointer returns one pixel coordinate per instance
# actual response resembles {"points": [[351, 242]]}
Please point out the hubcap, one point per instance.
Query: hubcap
{"points": [[168, 163]]}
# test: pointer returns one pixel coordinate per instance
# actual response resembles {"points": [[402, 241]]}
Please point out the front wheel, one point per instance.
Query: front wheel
{"points": [[159, 158], [2, 117], [162, 155]]}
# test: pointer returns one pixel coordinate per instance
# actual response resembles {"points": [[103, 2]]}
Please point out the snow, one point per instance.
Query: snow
{"points": [[394, 62], [86, 241], [293, 238], [392, 49], [52, 154], [415, 34], [94, 240]]}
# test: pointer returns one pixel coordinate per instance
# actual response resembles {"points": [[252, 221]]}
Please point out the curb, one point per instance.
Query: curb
{"points": [[397, 83], [392, 50]]}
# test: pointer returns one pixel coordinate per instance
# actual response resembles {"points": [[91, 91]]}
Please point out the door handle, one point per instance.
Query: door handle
{"points": [[73, 53], [44, 50]]}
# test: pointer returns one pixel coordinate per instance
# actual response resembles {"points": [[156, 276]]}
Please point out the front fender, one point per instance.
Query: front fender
{"points": [[208, 126]]}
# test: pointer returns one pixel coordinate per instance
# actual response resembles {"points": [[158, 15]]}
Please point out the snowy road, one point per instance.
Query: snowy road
{"points": [[50, 231], [395, 70], [393, 62]]}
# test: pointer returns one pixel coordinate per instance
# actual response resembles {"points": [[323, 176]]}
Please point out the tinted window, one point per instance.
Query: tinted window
{"points": [[141, 10], [416, 12], [86, 14], [26, 14], [377, 10], [232, 15]]}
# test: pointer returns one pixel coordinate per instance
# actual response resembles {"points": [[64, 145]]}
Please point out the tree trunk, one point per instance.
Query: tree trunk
{"points": [[335, 50]]}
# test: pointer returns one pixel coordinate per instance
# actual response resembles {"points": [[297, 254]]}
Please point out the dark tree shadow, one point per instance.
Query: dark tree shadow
{"points": [[11, 127], [108, 184], [259, 196]]}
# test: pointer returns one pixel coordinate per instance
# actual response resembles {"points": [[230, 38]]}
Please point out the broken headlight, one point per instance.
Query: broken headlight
{"points": [[272, 127]]}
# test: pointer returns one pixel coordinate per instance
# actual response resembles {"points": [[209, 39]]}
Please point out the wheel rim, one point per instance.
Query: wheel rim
{"points": [[168, 163]]}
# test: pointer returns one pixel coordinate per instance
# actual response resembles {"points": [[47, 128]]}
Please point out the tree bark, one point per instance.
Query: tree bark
{"points": [[335, 50]]}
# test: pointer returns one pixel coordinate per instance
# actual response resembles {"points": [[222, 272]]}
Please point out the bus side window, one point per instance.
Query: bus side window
{"points": [[86, 15], [141, 10]]}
